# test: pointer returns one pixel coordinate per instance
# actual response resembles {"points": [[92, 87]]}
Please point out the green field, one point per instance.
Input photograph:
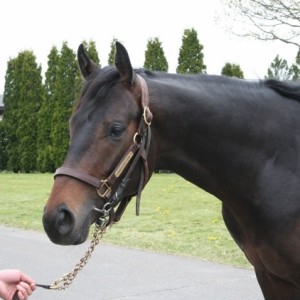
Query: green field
{"points": [[176, 217]]}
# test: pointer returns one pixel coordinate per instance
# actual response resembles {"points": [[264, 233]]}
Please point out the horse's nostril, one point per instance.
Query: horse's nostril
{"points": [[65, 221]]}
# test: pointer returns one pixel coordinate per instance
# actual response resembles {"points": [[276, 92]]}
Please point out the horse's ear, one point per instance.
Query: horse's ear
{"points": [[123, 64], [87, 66]]}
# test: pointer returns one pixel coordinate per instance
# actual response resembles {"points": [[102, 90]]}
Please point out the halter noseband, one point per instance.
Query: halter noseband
{"points": [[138, 150]]}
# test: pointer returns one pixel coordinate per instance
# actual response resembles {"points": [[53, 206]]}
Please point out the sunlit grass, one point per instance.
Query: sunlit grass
{"points": [[176, 217]]}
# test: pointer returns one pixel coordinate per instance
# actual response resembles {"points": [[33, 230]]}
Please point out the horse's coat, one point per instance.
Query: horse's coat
{"points": [[238, 140]]}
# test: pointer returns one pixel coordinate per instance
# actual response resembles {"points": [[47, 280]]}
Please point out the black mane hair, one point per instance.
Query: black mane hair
{"points": [[98, 85], [284, 88]]}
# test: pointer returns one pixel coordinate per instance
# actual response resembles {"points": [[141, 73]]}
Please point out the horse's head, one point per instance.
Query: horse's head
{"points": [[106, 163]]}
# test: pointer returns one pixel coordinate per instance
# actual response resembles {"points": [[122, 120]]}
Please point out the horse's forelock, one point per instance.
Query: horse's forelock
{"points": [[97, 86]]}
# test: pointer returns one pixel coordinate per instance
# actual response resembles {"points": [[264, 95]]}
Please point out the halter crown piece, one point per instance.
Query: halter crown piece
{"points": [[138, 150]]}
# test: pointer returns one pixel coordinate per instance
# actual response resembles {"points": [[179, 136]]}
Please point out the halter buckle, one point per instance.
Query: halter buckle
{"points": [[107, 190]]}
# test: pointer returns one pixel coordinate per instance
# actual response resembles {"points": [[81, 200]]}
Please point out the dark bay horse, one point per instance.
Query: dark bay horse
{"points": [[238, 140]]}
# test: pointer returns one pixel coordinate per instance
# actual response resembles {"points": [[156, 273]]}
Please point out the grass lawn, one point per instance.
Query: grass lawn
{"points": [[176, 217]]}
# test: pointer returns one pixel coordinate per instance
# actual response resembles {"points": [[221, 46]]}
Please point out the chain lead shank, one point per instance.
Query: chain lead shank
{"points": [[66, 280]]}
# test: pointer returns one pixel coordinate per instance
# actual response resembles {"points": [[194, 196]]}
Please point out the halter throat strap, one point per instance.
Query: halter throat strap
{"points": [[137, 151]]}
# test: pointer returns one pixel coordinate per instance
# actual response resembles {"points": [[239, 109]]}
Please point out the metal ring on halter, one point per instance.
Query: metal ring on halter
{"points": [[147, 114], [105, 210], [137, 138]]}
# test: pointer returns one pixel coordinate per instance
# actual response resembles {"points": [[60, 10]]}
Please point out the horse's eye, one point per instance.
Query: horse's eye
{"points": [[116, 131]]}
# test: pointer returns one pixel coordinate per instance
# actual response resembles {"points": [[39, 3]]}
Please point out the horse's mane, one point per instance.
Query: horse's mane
{"points": [[108, 76], [286, 89]]}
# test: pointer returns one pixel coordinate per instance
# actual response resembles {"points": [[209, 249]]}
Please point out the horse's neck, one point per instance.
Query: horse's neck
{"points": [[200, 137]]}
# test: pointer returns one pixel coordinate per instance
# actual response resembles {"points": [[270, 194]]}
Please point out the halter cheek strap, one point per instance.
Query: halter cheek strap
{"points": [[138, 150]]}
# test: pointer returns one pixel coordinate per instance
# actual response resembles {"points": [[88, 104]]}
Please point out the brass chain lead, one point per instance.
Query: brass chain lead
{"points": [[66, 280]]}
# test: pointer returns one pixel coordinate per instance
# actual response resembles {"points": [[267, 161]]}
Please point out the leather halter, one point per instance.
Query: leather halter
{"points": [[138, 150]]}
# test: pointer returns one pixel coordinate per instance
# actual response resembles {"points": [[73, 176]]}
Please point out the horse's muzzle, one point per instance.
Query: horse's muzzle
{"points": [[59, 226]]}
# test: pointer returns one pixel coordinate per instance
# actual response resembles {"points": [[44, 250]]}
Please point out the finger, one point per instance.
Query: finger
{"points": [[27, 287], [24, 290], [26, 278], [33, 286]]}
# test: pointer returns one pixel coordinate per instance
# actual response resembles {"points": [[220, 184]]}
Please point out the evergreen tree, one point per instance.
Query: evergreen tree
{"points": [[31, 97], [10, 115], [44, 142], [3, 145], [23, 92], [111, 56], [155, 59], [232, 70], [295, 68], [64, 94], [9, 121], [279, 69], [190, 58]]}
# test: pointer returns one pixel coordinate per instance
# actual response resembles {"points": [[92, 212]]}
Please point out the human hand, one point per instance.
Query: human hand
{"points": [[15, 283]]}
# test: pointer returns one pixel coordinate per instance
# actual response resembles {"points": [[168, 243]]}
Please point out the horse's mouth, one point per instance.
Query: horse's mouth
{"points": [[81, 238], [74, 238]]}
